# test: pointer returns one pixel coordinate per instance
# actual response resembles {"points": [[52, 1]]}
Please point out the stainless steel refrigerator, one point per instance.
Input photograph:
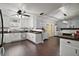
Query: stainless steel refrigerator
{"points": [[1, 34]]}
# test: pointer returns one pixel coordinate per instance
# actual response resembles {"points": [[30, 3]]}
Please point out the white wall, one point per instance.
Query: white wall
{"points": [[71, 22], [45, 21]]}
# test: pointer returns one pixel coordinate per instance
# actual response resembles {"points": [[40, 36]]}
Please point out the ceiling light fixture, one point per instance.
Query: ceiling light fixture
{"points": [[65, 22]]}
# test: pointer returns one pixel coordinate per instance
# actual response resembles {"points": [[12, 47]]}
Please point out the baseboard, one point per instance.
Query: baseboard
{"points": [[31, 41], [28, 40], [36, 42], [22, 40], [14, 41]]}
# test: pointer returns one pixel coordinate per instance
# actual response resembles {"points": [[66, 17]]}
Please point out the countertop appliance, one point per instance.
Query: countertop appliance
{"points": [[76, 34]]}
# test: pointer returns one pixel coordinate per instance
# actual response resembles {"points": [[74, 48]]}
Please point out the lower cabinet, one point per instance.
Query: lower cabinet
{"points": [[31, 37], [0, 38], [10, 37], [36, 38], [77, 52], [68, 48], [23, 36], [67, 51], [45, 35]]}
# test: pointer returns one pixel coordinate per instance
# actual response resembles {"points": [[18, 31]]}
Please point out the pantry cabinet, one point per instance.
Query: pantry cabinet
{"points": [[69, 47]]}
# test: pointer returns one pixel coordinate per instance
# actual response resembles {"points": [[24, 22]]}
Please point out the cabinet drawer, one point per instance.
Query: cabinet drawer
{"points": [[73, 43]]}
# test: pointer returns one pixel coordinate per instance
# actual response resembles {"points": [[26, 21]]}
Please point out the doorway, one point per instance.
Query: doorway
{"points": [[50, 29]]}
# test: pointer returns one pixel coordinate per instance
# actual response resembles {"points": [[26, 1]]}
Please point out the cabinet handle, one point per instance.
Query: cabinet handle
{"points": [[76, 51], [68, 42]]}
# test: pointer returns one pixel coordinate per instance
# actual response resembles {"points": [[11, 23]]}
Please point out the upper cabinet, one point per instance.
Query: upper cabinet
{"points": [[38, 22], [32, 22]]}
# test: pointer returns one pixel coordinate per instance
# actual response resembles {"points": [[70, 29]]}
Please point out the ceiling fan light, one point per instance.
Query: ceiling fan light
{"points": [[65, 22], [19, 16], [16, 15]]}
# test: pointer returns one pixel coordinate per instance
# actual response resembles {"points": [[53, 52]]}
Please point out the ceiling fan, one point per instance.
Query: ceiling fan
{"points": [[22, 13], [19, 11]]}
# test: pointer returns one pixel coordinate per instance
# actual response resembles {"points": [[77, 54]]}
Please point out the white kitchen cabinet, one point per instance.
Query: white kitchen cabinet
{"points": [[31, 37], [15, 36], [5, 38], [0, 38], [25, 22], [10, 37], [39, 38], [69, 47], [36, 22], [39, 23], [45, 35], [23, 36], [67, 51], [36, 38], [77, 52]]}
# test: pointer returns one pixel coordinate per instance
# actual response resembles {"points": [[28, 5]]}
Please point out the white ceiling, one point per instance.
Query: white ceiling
{"points": [[71, 9], [55, 10], [42, 7], [35, 8]]}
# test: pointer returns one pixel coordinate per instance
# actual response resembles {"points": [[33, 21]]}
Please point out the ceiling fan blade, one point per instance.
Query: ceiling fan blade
{"points": [[26, 15], [13, 14], [10, 10]]}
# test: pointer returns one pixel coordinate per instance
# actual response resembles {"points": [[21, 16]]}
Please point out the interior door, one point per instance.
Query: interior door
{"points": [[50, 29]]}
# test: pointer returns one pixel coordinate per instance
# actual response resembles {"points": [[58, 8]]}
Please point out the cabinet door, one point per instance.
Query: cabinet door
{"points": [[12, 37], [45, 35], [77, 52], [31, 37], [15, 37], [67, 51], [39, 38], [5, 38], [23, 36], [0, 38]]}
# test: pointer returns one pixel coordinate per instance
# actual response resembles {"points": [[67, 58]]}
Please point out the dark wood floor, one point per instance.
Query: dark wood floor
{"points": [[26, 48]]}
